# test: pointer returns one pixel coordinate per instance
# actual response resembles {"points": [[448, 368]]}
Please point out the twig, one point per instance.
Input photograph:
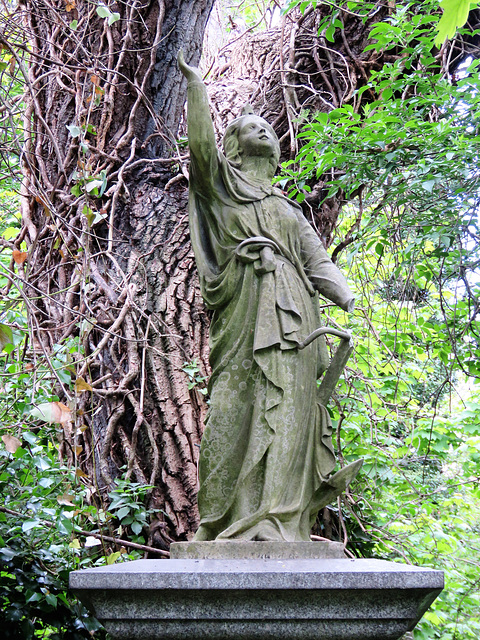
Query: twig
{"points": [[125, 543], [99, 536]]}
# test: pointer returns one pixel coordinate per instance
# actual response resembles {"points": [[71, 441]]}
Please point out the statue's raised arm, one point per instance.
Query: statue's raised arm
{"points": [[201, 137]]}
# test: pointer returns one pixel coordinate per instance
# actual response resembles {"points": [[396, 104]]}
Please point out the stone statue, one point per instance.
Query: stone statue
{"points": [[266, 455]]}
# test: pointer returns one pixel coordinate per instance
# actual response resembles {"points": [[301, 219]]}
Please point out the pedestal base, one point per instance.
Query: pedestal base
{"points": [[258, 599]]}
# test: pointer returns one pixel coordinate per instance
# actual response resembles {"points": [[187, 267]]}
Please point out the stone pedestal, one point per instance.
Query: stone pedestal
{"points": [[263, 598]]}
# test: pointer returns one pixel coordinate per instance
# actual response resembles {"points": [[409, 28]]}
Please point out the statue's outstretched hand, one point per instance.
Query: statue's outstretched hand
{"points": [[191, 73]]}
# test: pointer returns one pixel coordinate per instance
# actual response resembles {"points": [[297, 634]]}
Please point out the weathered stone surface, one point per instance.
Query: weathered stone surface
{"points": [[248, 599], [237, 549], [267, 461]]}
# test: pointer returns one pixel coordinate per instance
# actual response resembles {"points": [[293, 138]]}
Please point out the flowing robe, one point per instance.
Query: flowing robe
{"points": [[267, 442]]}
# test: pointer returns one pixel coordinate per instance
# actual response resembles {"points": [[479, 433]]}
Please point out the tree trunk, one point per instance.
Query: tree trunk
{"points": [[111, 276]]}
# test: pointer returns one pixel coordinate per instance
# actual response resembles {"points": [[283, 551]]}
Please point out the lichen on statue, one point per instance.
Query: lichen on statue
{"points": [[266, 453]]}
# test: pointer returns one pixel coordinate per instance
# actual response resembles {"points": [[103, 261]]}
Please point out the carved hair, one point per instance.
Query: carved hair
{"points": [[231, 145]]}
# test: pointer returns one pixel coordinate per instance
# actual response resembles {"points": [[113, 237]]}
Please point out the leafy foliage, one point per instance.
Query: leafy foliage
{"points": [[38, 512], [128, 506], [48, 527], [414, 156], [406, 166]]}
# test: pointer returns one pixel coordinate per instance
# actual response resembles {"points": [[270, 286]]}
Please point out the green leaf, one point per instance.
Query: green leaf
{"points": [[93, 216], [46, 482], [64, 525], [30, 524], [103, 176], [10, 232], [455, 15], [74, 25], [428, 185], [330, 32], [7, 554], [113, 557], [51, 599], [136, 528], [113, 18], [6, 336], [74, 130], [124, 511], [103, 11], [41, 463]]}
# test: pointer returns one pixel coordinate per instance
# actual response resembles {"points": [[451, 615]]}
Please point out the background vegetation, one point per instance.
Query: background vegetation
{"points": [[395, 150]]}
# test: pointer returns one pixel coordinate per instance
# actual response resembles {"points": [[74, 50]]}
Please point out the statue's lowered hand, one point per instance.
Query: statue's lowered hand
{"points": [[191, 73]]}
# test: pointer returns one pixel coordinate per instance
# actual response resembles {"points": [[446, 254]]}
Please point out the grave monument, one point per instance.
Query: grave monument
{"points": [[267, 461]]}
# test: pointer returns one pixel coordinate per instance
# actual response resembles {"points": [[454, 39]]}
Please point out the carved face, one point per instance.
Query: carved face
{"points": [[256, 137]]}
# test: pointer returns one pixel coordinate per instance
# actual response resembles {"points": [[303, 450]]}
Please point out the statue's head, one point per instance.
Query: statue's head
{"points": [[250, 135]]}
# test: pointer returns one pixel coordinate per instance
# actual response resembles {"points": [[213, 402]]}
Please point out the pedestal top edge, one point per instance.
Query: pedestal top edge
{"points": [[257, 574], [260, 565]]}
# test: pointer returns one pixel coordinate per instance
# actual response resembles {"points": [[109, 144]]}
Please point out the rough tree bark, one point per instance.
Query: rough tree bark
{"points": [[112, 263]]}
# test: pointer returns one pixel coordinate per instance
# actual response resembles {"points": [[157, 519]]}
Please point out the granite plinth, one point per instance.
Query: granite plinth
{"points": [[257, 599], [236, 549]]}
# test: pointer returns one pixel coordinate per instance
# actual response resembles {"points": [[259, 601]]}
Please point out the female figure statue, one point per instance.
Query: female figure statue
{"points": [[266, 454]]}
